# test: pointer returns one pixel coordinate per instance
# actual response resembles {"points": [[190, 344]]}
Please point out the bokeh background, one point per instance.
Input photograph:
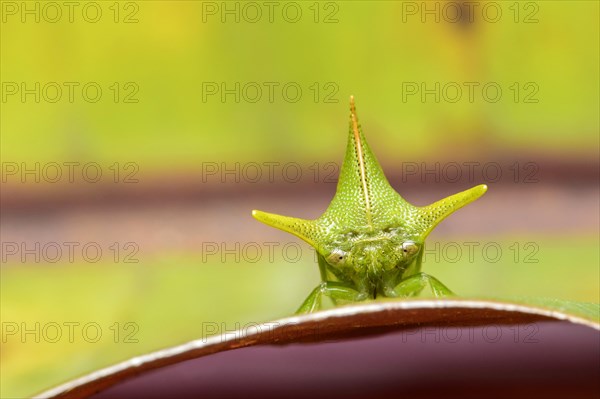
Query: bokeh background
{"points": [[207, 110]]}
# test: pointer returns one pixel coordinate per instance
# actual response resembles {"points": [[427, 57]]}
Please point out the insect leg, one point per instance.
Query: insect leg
{"points": [[323, 271], [332, 289], [414, 284]]}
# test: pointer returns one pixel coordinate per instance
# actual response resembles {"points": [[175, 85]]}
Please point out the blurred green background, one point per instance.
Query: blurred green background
{"points": [[162, 119]]}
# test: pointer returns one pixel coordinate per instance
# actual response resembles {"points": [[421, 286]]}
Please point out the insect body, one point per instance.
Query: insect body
{"points": [[370, 240]]}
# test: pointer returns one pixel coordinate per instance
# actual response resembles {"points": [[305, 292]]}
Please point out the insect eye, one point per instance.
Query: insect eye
{"points": [[337, 256], [410, 248]]}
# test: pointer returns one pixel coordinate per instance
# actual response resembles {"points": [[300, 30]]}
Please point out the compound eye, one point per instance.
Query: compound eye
{"points": [[410, 248], [337, 257]]}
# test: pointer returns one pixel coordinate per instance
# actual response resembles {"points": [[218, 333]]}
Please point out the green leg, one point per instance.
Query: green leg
{"points": [[332, 289], [323, 271], [322, 267], [414, 284]]}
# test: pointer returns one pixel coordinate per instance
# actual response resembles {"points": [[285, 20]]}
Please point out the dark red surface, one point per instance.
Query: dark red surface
{"points": [[541, 359]]}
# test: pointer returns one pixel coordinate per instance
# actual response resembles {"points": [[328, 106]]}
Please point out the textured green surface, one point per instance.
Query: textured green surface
{"points": [[370, 239], [586, 310]]}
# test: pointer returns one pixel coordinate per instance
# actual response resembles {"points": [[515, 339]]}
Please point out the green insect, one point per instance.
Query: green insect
{"points": [[370, 240]]}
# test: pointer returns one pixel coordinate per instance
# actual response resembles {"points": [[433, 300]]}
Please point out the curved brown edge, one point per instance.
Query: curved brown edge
{"points": [[338, 323]]}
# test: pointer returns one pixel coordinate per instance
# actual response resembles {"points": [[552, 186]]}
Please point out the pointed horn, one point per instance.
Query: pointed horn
{"points": [[301, 228], [361, 183], [433, 214]]}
